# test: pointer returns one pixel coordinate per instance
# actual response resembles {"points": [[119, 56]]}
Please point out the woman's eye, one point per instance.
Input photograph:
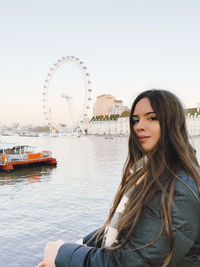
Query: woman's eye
{"points": [[153, 118], [135, 121]]}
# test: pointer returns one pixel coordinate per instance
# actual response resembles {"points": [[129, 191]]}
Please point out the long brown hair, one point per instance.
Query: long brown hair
{"points": [[172, 154]]}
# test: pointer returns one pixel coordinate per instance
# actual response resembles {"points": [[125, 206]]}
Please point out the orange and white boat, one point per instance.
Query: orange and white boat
{"points": [[13, 156]]}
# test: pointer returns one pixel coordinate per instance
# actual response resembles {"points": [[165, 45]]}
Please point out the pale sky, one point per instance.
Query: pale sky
{"points": [[128, 46]]}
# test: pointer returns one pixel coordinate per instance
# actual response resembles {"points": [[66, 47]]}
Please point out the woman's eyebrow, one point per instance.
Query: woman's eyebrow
{"points": [[148, 113], [152, 112]]}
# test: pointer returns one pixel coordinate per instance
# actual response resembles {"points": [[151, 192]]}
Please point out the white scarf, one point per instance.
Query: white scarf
{"points": [[111, 230]]}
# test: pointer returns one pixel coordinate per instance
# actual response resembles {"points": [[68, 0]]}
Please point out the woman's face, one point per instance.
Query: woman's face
{"points": [[146, 125]]}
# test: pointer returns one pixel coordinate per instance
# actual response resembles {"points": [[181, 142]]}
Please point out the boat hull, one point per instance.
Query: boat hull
{"points": [[14, 164]]}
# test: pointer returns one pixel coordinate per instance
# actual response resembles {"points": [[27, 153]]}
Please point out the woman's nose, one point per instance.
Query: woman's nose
{"points": [[140, 125]]}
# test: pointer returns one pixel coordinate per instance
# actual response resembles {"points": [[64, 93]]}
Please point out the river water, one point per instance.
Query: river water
{"points": [[39, 204]]}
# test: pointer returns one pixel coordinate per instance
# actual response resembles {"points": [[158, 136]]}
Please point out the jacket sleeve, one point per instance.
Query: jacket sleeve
{"points": [[89, 240], [185, 220]]}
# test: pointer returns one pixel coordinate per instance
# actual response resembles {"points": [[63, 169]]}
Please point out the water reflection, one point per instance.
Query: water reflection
{"points": [[24, 175]]}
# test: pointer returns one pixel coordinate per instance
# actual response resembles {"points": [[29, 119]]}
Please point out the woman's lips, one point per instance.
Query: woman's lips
{"points": [[143, 138]]}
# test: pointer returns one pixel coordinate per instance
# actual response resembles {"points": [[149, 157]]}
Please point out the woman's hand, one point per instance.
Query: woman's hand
{"points": [[50, 253]]}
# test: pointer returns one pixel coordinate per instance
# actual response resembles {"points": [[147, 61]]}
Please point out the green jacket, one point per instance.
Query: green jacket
{"points": [[186, 230]]}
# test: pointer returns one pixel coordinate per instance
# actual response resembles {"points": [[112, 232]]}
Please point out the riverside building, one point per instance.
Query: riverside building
{"points": [[118, 124], [111, 117], [193, 121], [107, 105], [110, 125]]}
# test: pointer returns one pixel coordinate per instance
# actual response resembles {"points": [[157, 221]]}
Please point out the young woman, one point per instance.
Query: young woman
{"points": [[155, 217]]}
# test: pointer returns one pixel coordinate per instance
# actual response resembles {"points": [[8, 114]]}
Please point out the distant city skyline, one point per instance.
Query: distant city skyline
{"points": [[128, 46], [29, 123]]}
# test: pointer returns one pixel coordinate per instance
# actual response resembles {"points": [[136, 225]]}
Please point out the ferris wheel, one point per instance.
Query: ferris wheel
{"points": [[84, 107]]}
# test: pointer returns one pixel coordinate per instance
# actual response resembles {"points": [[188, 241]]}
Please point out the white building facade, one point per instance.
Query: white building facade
{"points": [[120, 126], [193, 124]]}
